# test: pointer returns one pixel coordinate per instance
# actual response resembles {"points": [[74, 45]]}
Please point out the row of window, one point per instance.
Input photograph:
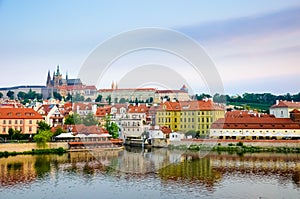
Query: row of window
{"points": [[185, 120], [16, 128], [189, 113], [15, 121]]}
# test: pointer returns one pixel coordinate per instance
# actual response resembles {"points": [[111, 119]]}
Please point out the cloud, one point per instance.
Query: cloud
{"points": [[286, 20]]}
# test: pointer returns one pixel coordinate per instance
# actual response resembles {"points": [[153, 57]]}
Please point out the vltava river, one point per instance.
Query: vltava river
{"points": [[150, 174]]}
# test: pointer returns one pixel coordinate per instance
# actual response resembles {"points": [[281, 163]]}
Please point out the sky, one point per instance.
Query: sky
{"points": [[255, 45]]}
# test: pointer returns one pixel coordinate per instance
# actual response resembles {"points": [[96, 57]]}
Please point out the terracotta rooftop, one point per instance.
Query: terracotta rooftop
{"points": [[288, 104], [190, 106], [103, 111], [255, 123], [19, 113], [138, 108]]}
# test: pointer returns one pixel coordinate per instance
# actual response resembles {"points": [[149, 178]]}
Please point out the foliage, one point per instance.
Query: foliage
{"points": [[108, 99], [73, 119], [16, 134], [42, 138], [192, 133], [77, 98], [69, 97], [57, 96], [89, 120], [122, 101], [1, 95], [31, 95], [43, 126], [99, 98], [59, 131], [10, 94], [88, 99], [202, 96], [111, 127]]}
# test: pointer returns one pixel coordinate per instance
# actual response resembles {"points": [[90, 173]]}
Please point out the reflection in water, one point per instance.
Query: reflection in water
{"points": [[167, 168], [42, 165]]}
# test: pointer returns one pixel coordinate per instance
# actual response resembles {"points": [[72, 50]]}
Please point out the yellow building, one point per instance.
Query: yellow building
{"points": [[189, 115], [22, 119]]}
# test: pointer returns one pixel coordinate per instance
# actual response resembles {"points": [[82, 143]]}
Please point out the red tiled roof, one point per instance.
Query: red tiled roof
{"points": [[190, 106], [138, 109], [19, 113], [82, 106], [255, 123], [165, 129], [295, 111], [127, 89], [103, 111], [286, 104], [77, 87], [170, 91]]}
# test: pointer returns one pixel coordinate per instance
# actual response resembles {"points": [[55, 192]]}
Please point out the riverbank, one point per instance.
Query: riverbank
{"points": [[239, 146], [59, 151], [22, 147]]}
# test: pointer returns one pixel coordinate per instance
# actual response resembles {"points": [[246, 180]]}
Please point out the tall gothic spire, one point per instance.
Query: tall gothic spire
{"points": [[48, 83]]}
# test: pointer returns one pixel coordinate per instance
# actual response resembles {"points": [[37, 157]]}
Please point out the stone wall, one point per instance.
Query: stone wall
{"points": [[20, 147]]}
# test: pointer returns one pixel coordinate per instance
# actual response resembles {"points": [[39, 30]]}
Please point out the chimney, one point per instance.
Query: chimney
{"points": [[277, 102]]}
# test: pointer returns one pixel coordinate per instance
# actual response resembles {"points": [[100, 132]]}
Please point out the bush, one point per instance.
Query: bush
{"points": [[240, 144]]}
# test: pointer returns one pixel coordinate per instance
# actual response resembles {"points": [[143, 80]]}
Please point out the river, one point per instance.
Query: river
{"points": [[152, 173]]}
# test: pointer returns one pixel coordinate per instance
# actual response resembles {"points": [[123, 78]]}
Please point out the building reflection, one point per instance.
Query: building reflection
{"points": [[170, 166], [18, 169]]}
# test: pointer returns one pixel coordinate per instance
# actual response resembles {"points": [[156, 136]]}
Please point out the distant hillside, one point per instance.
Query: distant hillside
{"points": [[254, 101]]}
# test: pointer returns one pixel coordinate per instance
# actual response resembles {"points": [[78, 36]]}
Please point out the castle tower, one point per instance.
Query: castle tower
{"points": [[48, 82], [112, 85]]}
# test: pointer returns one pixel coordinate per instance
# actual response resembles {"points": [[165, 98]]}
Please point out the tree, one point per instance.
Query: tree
{"points": [[57, 95], [88, 99], [69, 97], [42, 138], [111, 127], [59, 131], [122, 100], [1, 95], [73, 119], [108, 99], [78, 98], [10, 94], [43, 126], [22, 95], [89, 120], [99, 98]]}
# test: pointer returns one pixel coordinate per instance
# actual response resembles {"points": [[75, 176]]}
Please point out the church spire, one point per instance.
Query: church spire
{"points": [[57, 71], [48, 83]]}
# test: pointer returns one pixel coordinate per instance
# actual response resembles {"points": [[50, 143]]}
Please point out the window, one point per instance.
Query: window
{"points": [[30, 121], [9, 121], [4, 129], [4, 121], [16, 121], [198, 119], [207, 119], [202, 119], [192, 119], [175, 126], [189, 119], [175, 119], [30, 129]]}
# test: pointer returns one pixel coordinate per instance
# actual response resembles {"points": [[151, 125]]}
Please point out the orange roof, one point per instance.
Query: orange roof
{"points": [[138, 109], [255, 123], [77, 87], [127, 89], [82, 106], [19, 113], [170, 91], [287, 104], [190, 106], [103, 111], [81, 128]]}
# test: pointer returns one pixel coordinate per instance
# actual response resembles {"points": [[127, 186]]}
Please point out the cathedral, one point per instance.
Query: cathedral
{"points": [[57, 80]]}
